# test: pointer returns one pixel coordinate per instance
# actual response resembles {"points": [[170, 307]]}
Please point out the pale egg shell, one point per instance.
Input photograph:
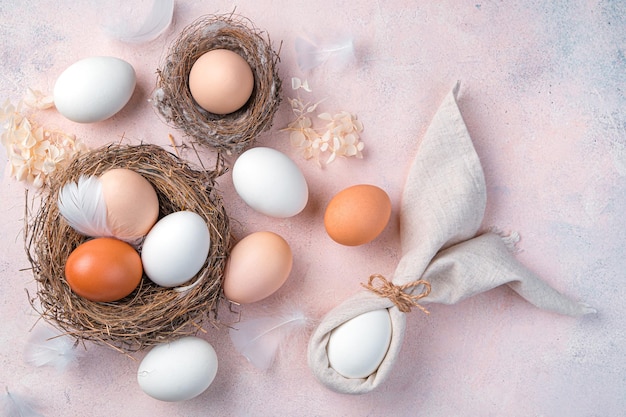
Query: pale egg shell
{"points": [[131, 202], [270, 182], [357, 214], [258, 265], [221, 81], [94, 89], [179, 370], [357, 347], [176, 248]]}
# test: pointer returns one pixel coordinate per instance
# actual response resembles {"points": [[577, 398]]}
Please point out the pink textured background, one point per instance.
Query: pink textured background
{"points": [[542, 92]]}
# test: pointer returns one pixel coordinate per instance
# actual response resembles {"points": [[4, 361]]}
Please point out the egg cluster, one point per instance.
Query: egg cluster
{"points": [[118, 211]]}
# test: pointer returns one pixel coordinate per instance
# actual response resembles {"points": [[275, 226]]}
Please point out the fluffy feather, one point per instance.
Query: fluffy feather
{"points": [[82, 205], [48, 348], [14, 405], [309, 55], [157, 21], [259, 339]]}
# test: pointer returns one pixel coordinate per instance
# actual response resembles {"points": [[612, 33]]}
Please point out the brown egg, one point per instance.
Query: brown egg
{"points": [[103, 269], [258, 265], [357, 215], [131, 201], [221, 81]]}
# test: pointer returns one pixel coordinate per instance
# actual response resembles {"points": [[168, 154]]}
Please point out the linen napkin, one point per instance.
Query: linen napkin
{"points": [[444, 259]]}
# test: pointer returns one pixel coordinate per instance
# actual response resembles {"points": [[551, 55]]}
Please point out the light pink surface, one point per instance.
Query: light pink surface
{"points": [[542, 92]]}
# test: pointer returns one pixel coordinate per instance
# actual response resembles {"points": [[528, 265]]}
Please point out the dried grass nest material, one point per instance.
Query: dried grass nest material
{"points": [[233, 132], [151, 314]]}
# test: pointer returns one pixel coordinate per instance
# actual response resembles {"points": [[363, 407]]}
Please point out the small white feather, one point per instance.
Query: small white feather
{"points": [[82, 205], [310, 55], [46, 347], [156, 22], [259, 339], [14, 405]]}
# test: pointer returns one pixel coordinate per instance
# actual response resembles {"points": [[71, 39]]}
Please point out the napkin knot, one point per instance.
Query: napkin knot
{"points": [[397, 294]]}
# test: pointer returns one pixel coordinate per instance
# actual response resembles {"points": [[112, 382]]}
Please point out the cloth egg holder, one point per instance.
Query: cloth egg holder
{"points": [[444, 258]]}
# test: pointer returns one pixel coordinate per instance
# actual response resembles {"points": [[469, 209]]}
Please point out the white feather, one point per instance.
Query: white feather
{"points": [[259, 339], [82, 205], [310, 55], [156, 22], [46, 347], [14, 405]]}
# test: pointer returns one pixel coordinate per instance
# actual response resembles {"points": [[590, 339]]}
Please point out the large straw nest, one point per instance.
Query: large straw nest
{"points": [[233, 132], [151, 314]]}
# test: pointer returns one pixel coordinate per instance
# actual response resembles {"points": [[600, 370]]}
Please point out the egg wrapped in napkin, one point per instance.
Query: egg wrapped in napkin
{"points": [[444, 257]]}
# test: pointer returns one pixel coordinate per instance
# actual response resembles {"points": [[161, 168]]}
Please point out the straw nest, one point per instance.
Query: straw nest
{"points": [[233, 132], [151, 314]]}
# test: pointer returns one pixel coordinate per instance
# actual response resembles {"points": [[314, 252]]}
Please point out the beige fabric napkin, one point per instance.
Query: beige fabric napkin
{"points": [[442, 209]]}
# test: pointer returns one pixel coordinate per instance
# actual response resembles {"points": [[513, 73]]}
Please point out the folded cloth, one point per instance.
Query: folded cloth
{"points": [[444, 258]]}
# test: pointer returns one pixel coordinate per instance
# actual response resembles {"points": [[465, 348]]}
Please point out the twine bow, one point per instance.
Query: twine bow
{"points": [[397, 294]]}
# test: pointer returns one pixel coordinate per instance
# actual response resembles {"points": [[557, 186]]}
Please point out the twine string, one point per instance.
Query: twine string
{"points": [[398, 295]]}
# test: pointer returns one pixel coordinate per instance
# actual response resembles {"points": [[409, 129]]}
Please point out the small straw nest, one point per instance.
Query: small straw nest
{"points": [[233, 132], [151, 314]]}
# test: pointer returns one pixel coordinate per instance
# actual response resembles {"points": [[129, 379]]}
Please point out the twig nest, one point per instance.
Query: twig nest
{"points": [[151, 314], [233, 132]]}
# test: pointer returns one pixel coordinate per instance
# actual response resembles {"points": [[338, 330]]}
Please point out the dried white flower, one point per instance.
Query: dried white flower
{"points": [[34, 152], [341, 136]]}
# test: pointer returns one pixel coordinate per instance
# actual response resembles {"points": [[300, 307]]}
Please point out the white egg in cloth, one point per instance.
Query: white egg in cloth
{"points": [[358, 346]]}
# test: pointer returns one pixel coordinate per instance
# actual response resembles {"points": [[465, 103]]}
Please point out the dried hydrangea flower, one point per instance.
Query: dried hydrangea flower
{"points": [[340, 137], [33, 151]]}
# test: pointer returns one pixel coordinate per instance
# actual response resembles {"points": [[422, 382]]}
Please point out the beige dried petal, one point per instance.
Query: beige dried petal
{"points": [[295, 83], [21, 172], [38, 181], [325, 116], [38, 100], [297, 138], [56, 154], [310, 133], [350, 139], [49, 166], [22, 135], [350, 150]]}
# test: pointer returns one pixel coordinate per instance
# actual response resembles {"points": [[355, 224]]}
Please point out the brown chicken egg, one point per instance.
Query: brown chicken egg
{"points": [[357, 214], [103, 269]]}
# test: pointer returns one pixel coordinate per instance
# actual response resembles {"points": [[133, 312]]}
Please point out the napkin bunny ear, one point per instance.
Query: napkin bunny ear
{"points": [[442, 208]]}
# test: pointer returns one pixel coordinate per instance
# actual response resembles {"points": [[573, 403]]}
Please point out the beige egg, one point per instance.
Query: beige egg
{"points": [[257, 266], [221, 81], [131, 201]]}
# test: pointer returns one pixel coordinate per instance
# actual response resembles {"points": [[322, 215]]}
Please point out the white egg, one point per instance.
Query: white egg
{"points": [[94, 89], [179, 370], [358, 346], [176, 248], [269, 182]]}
